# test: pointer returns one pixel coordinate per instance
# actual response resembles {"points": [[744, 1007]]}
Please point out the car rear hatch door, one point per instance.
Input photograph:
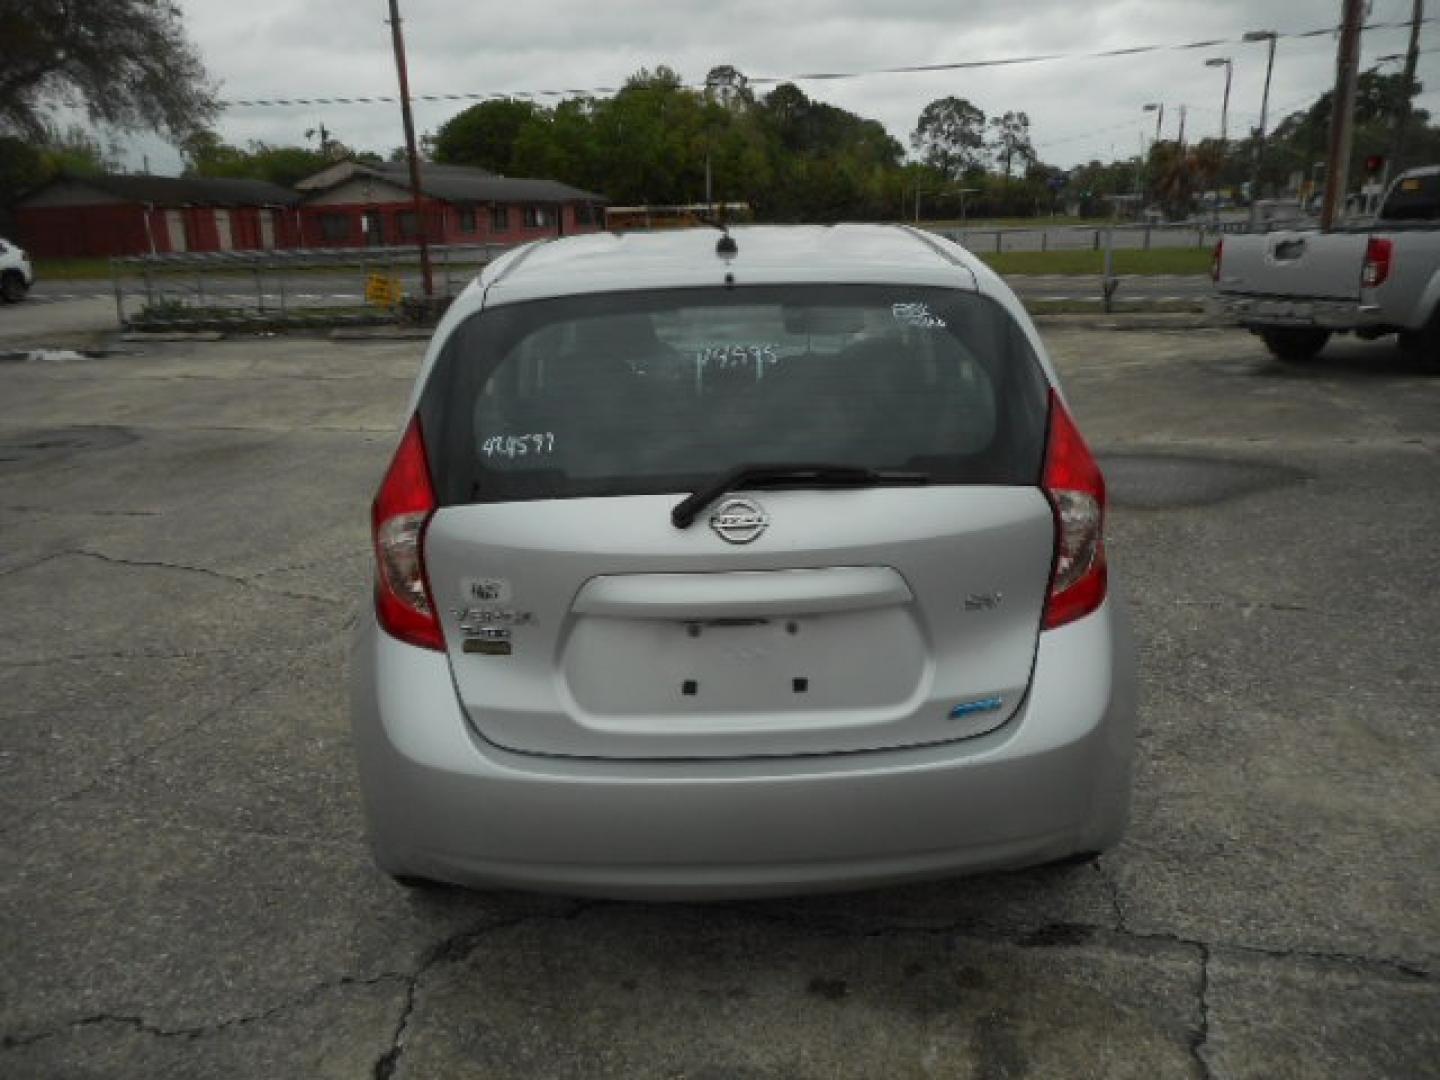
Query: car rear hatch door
{"points": [[1308, 264], [792, 616]]}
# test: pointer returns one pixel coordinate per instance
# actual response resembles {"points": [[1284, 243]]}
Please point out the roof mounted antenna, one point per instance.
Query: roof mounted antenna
{"points": [[725, 246]]}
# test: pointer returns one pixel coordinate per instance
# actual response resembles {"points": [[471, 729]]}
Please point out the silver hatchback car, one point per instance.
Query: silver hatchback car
{"points": [[718, 565]]}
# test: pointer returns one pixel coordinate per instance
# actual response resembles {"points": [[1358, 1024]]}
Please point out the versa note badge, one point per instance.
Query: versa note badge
{"points": [[739, 521]]}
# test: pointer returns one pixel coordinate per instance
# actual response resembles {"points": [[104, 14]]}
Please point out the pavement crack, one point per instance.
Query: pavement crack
{"points": [[147, 1027], [309, 565], [219, 575], [389, 1061], [31, 564], [1202, 1031], [1112, 889], [1057, 934], [77, 513], [453, 950], [458, 946], [159, 564]]}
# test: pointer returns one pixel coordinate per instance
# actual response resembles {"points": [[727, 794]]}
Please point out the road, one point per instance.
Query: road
{"points": [[186, 887]]}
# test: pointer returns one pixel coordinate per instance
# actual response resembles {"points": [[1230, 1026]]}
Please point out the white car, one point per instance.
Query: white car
{"points": [[16, 274], [717, 566]]}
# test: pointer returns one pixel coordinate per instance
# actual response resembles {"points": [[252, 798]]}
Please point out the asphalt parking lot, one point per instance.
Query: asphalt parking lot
{"points": [[186, 892]]}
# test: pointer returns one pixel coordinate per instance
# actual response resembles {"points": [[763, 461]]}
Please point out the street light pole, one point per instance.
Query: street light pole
{"points": [[1223, 61], [1158, 108], [398, 40], [1268, 36]]}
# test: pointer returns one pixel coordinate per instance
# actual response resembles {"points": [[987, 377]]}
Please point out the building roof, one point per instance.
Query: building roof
{"points": [[182, 190], [451, 183]]}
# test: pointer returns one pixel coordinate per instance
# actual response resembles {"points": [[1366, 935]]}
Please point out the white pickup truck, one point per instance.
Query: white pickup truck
{"points": [[16, 274], [1295, 289]]}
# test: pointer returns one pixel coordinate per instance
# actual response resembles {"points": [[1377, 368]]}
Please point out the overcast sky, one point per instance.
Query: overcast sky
{"points": [[1079, 108]]}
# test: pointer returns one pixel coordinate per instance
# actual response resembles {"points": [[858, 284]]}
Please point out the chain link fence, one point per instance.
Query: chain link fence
{"points": [[299, 287]]}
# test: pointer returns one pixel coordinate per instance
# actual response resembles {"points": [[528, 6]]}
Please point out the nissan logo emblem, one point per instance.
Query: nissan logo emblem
{"points": [[738, 521]]}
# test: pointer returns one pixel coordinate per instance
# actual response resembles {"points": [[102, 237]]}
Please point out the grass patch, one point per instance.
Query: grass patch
{"points": [[99, 268], [1154, 261], [1057, 222], [71, 269], [1122, 306]]}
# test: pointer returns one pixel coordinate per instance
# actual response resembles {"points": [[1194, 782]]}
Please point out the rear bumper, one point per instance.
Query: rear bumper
{"points": [[1269, 312], [443, 803]]}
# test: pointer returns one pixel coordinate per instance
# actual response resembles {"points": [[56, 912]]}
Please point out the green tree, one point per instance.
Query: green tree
{"points": [[649, 141], [1301, 139], [950, 136], [207, 155], [486, 134], [127, 61], [26, 164], [1010, 139]]}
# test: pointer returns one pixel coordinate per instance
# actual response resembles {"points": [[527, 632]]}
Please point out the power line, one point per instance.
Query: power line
{"points": [[814, 76]]}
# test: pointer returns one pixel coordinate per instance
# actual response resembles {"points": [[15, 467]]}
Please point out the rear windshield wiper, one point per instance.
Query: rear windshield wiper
{"points": [[801, 476]]}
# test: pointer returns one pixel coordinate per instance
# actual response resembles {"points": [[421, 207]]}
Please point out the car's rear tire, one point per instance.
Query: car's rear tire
{"points": [[13, 287], [1423, 344], [1294, 344]]}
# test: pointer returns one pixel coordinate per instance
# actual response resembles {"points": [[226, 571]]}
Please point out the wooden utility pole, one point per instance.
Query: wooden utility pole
{"points": [[1342, 113], [1397, 149], [410, 155]]}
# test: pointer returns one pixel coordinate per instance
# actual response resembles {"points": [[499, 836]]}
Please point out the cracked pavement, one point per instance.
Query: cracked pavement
{"points": [[186, 890]]}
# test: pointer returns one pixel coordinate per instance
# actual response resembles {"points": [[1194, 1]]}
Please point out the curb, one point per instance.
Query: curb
{"points": [[383, 333], [172, 335], [1139, 321]]}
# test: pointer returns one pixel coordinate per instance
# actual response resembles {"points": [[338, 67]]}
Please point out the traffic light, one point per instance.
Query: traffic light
{"points": [[1374, 164]]}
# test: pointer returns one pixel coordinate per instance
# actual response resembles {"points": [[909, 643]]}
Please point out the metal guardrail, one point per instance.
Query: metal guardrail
{"points": [[291, 286], [1131, 236], [1106, 238], [310, 286]]}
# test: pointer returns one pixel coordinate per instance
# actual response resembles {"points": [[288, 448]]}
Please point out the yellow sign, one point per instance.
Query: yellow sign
{"points": [[383, 291]]}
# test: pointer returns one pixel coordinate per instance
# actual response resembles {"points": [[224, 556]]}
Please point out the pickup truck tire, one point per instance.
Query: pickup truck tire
{"points": [[12, 287], [1294, 344], [1423, 344]]}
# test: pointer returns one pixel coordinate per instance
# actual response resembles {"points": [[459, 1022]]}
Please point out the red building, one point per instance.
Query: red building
{"points": [[135, 215], [353, 205]]}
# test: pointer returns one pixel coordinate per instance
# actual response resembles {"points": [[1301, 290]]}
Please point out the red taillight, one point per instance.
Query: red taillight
{"points": [[1215, 259], [1076, 491], [1378, 253], [403, 507]]}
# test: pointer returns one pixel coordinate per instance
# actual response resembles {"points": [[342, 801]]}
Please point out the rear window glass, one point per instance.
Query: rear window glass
{"points": [[1414, 198], [645, 392]]}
